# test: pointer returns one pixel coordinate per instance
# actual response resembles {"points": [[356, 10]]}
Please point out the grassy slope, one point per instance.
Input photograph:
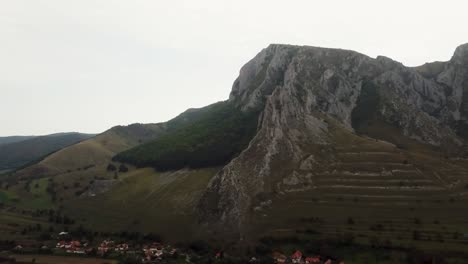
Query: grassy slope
{"points": [[96, 152], [146, 201], [11, 224]]}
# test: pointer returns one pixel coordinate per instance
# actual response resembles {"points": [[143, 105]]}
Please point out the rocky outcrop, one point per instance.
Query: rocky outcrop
{"points": [[306, 94]]}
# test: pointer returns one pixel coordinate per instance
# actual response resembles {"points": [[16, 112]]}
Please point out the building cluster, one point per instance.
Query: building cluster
{"points": [[73, 246], [108, 246], [298, 258], [151, 253], [157, 251]]}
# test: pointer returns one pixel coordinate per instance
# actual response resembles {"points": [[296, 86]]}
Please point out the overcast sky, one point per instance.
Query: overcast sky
{"points": [[89, 65]]}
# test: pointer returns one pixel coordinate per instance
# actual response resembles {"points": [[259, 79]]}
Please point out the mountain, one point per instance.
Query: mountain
{"points": [[337, 125], [13, 139], [312, 143], [16, 152]]}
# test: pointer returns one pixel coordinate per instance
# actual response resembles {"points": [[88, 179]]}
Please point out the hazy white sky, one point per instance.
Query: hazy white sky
{"points": [[87, 65]]}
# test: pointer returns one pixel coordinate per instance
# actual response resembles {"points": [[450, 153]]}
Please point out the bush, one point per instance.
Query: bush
{"points": [[123, 168], [111, 167]]}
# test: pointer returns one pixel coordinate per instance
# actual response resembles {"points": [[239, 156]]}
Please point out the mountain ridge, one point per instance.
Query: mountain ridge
{"points": [[306, 90]]}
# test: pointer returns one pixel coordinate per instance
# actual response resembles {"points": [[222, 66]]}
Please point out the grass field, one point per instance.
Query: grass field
{"points": [[146, 201], [13, 223], [45, 259]]}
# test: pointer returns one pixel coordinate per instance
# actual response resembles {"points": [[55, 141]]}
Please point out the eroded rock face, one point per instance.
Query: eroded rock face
{"points": [[302, 91]]}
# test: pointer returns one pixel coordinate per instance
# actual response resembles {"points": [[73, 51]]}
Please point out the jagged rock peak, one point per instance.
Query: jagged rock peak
{"points": [[461, 51]]}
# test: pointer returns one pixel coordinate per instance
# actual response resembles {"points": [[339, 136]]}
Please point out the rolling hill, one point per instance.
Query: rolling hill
{"points": [[91, 157], [16, 152]]}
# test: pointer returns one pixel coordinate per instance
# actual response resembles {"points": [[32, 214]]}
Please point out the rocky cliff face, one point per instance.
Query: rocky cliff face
{"points": [[306, 95]]}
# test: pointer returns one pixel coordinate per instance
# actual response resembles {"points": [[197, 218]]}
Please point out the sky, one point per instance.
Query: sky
{"points": [[89, 65]]}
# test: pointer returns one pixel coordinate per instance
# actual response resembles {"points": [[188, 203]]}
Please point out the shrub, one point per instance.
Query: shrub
{"points": [[111, 167], [123, 168]]}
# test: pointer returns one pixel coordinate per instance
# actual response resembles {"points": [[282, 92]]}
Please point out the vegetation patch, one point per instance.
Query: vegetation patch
{"points": [[218, 136]]}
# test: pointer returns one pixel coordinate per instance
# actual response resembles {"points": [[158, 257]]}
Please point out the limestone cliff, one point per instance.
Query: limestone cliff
{"points": [[306, 96]]}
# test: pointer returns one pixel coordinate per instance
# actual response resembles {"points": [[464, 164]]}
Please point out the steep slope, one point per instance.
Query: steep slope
{"points": [[24, 151], [218, 135], [314, 101]]}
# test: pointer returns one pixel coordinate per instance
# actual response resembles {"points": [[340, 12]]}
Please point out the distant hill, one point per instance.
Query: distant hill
{"points": [[90, 158], [16, 152], [13, 139]]}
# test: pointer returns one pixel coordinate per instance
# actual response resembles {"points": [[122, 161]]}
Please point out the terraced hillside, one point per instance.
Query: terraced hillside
{"points": [[374, 192]]}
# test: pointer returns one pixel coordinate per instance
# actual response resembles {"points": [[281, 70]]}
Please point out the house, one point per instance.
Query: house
{"points": [[311, 260], [18, 247], [105, 246], [296, 257], [61, 244], [279, 258], [79, 251], [121, 247], [75, 243]]}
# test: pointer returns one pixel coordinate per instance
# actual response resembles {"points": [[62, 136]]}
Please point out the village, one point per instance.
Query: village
{"points": [[158, 252], [150, 253]]}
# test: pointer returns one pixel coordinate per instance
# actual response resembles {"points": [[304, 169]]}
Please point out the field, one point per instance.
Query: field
{"points": [[146, 201], [14, 224], [45, 259]]}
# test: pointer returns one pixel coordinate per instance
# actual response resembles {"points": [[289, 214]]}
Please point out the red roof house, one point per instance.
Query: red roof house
{"points": [[296, 257]]}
